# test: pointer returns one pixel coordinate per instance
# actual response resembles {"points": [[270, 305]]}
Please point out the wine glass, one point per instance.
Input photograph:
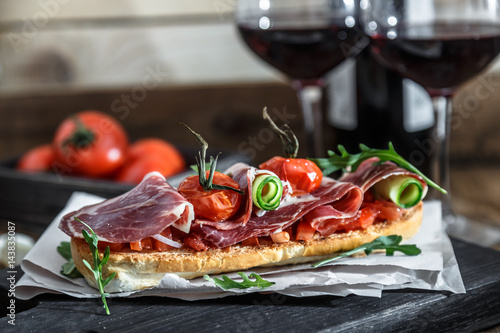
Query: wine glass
{"points": [[439, 44], [304, 39]]}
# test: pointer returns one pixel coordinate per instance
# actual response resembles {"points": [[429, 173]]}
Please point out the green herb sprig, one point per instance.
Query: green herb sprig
{"points": [[350, 162], [207, 184], [226, 283], [92, 240], [68, 268], [390, 244]]}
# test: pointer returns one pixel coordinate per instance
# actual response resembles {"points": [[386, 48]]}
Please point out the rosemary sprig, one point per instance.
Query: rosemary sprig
{"points": [[207, 183], [288, 139]]}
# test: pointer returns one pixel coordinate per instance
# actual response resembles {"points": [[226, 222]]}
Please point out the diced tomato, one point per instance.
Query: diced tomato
{"points": [[195, 243], [160, 246], [252, 241], [388, 211], [143, 244], [304, 231], [367, 217], [113, 247]]}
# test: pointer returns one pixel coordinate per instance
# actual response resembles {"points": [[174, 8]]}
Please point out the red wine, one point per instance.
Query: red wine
{"points": [[440, 56], [304, 54], [371, 104]]}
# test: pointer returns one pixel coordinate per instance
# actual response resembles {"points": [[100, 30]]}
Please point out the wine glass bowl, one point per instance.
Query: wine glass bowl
{"points": [[439, 53], [304, 40]]}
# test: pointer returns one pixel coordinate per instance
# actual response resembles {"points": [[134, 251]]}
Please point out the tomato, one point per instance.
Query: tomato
{"points": [[37, 159], [215, 205], [303, 175], [304, 231], [364, 218], [91, 144], [158, 147], [160, 246], [367, 217], [113, 247], [196, 243], [147, 155], [387, 210], [143, 244]]}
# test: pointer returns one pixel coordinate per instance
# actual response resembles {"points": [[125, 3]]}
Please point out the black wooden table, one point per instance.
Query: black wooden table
{"points": [[396, 311]]}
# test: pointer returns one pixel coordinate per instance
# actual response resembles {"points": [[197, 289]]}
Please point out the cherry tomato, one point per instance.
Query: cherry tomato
{"points": [[37, 159], [147, 155], [215, 205], [91, 144], [303, 175]]}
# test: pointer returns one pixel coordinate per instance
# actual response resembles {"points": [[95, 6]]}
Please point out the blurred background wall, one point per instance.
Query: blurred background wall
{"points": [[153, 64]]}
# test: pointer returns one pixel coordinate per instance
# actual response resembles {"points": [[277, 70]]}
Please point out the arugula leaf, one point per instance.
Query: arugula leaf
{"points": [[227, 283], [92, 241], [345, 160], [69, 269], [389, 243]]}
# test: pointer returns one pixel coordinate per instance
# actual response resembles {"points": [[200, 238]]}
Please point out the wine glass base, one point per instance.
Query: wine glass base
{"points": [[466, 229]]}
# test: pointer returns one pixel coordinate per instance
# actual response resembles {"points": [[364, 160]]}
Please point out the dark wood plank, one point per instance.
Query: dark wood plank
{"points": [[396, 311]]}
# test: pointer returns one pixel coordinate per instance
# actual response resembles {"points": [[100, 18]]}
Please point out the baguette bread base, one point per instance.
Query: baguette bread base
{"points": [[141, 270]]}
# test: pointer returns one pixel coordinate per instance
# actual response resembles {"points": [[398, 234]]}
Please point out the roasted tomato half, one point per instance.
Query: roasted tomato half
{"points": [[215, 205]]}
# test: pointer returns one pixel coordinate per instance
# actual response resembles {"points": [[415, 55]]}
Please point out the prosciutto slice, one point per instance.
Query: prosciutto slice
{"points": [[365, 176], [344, 198], [368, 174], [144, 211]]}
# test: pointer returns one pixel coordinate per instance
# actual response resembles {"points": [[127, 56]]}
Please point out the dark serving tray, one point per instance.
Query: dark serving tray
{"points": [[39, 197]]}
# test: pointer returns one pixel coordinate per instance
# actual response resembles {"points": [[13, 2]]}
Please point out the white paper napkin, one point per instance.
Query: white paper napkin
{"points": [[435, 269]]}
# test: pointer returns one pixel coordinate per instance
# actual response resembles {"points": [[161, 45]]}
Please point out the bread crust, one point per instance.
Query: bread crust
{"points": [[140, 270]]}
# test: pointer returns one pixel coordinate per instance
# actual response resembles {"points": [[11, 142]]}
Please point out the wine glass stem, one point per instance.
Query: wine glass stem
{"points": [[441, 162], [311, 98]]}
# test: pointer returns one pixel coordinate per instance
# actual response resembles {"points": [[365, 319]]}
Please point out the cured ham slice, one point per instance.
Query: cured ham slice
{"points": [[368, 174], [326, 222], [330, 192], [144, 211]]}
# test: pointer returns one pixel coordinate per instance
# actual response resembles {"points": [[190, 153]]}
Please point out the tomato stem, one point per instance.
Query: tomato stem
{"points": [[81, 137], [286, 135], [201, 165]]}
